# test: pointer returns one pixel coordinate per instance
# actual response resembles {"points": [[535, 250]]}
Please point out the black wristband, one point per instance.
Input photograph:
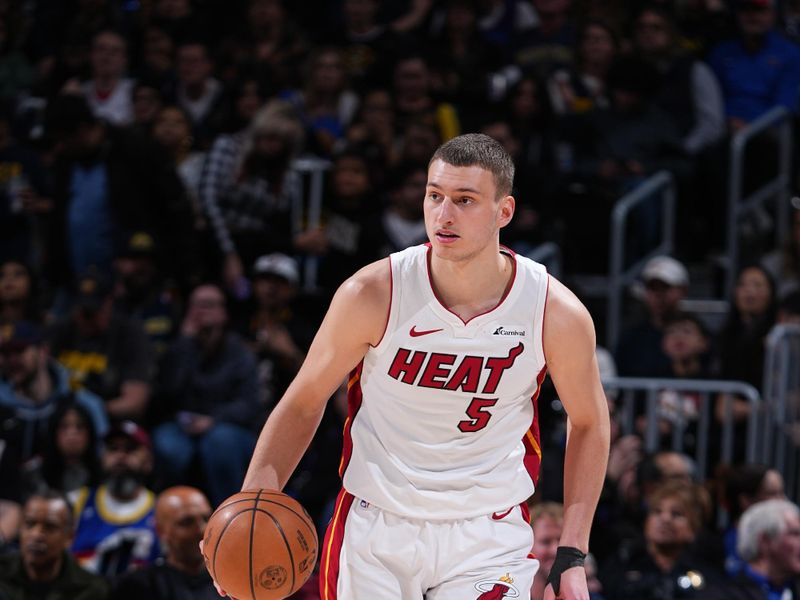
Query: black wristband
{"points": [[566, 558]]}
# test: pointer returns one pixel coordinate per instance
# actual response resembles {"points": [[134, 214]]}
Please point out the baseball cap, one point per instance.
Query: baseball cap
{"points": [[91, 290], [277, 264], [130, 430], [667, 270], [20, 335]]}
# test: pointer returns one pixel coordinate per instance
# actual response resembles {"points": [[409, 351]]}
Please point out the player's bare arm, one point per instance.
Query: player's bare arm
{"points": [[569, 346], [355, 321]]}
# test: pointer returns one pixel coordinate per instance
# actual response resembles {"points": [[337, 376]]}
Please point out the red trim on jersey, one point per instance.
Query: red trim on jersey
{"points": [[506, 292], [526, 512], [332, 546], [532, 439], [354, 397]]}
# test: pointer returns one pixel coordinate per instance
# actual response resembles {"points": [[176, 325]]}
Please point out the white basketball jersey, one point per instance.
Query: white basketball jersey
{"points": [[442, 421]]}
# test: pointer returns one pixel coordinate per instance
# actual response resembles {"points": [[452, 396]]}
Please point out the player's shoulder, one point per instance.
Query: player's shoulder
{"points": [[564, 310], [370, 286]]}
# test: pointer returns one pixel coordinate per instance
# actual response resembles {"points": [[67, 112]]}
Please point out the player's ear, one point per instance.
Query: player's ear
{"points": [[506, 210]]}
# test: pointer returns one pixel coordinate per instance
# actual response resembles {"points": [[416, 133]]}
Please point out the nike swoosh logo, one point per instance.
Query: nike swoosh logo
{"points": [[497, 517], [414, 333]]}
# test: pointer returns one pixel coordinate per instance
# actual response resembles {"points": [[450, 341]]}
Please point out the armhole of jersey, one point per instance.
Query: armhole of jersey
{"points": [[390, 312], [79, 502], [543, 303]]}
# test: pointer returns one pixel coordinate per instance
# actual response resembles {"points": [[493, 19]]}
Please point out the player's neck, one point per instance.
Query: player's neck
{"points": [[471, 287]]}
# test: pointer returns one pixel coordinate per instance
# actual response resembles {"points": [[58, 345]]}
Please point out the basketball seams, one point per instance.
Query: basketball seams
{"points": [[285, 541], [219, 539], [250, 550], [303, 516]]}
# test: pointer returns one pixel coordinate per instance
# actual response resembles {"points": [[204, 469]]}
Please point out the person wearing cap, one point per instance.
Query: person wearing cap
{"points": [[141, 292], [116, 520], [182, 513], [758, 70], [280, 336], [209, 390], [32, 387], [105, 352], [639, 352]]}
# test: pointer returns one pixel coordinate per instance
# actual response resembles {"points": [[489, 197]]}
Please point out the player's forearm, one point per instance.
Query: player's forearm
{"points": [[584, 472], [282, 443]]}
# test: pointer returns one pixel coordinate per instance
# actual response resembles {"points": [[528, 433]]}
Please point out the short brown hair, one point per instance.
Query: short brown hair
{"points": [[478, 149], [689, 496]]}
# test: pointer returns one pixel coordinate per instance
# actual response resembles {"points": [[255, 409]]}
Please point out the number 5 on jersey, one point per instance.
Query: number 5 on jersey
{"points": [[479, 416]]}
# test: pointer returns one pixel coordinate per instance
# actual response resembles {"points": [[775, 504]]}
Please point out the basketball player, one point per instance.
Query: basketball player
{"points": [[446, 345]]}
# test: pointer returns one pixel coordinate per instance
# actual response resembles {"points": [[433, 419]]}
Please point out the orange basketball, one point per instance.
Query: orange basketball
{"points": [[260, 545]]}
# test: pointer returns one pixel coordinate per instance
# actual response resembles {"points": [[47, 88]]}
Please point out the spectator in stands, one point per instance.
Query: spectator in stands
{"points": [[34, 386], [689, 91], [550, 44], [352, 220], [251, 215], [403, 223], [18, 294], [43, 568], [147, 102], [784, 263], [108, 181], [581, 88], [280, 333], [789, 309], [741, 342], [686, 343], [769, 543], [743, 486], [547, 519], [199, 93], [109, 92], [24, 194], [462, 59], [172, 130], [157, 58], [414, 99], [662, 564], [105, 352], [373, 129], [209, 384], [326, 105], [11, 490], [71, 458], [758, 70], [640, 350], [116, 531], [182, 514], [142, 293]]}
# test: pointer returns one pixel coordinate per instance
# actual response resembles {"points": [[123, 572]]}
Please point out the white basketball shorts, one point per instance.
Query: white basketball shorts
{"points": [[372, 554]]}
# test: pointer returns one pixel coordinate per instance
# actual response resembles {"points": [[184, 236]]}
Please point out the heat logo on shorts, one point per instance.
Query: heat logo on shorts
{"points": [[495, 589]]}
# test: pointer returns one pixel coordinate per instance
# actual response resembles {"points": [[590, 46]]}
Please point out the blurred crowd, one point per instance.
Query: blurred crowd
{"points": [[161, 277]]}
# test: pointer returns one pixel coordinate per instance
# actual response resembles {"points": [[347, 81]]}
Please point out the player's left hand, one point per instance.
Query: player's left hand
{"points": [[573, 586]]}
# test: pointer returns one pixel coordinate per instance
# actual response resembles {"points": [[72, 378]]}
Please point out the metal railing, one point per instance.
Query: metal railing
{"points": [[740, 206], [697, 423], [780, 437], [660, 186], [307, 209], [548, 254]]}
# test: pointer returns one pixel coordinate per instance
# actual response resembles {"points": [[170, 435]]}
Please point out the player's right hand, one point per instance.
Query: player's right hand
{"points": [[220, 591]]}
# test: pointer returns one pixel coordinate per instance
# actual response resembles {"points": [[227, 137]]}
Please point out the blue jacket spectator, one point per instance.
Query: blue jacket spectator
{"points": [[760, 69]]}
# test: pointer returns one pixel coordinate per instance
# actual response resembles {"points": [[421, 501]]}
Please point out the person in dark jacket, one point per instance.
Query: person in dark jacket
{"points": [[209, 387], [43, 568], [182, 514], [108, 181]]}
